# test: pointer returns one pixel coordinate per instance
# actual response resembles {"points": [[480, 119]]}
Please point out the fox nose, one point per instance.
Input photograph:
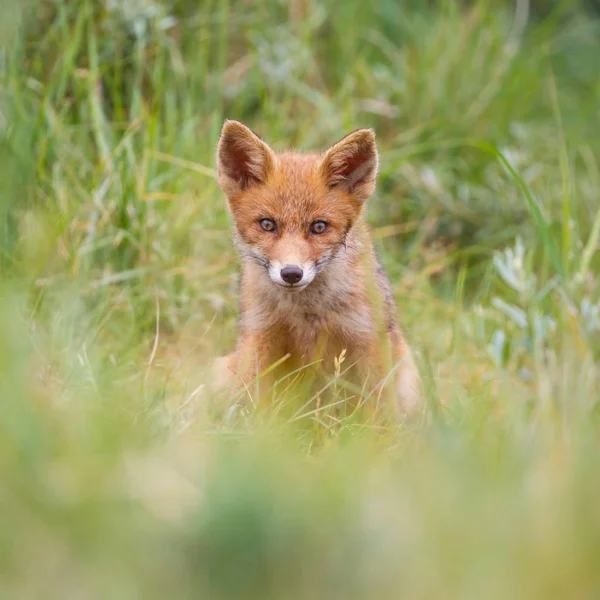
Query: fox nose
{"points": [[291, 274]]}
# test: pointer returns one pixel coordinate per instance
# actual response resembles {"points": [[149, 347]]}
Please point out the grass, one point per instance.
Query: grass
{"points": [[118, 286]]}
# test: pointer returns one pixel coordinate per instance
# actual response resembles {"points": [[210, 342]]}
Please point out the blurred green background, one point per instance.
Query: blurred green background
{"points": [[118, 284]]}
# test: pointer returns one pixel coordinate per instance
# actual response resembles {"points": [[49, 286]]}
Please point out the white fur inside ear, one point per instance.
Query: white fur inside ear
{"points": [[361, 172], [256, 155]]}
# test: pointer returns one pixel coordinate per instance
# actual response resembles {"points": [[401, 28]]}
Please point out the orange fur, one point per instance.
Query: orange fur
{"points": [[343, 301]]}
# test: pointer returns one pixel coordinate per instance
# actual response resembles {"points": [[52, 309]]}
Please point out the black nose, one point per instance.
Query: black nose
{"points": [[291, 274]]}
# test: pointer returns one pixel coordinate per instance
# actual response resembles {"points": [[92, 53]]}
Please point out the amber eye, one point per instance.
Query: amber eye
{"points": [[267, 225], [318, 227]]}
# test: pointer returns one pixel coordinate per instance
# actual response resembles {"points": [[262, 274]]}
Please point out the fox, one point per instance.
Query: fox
{"points": [[312, 290]]}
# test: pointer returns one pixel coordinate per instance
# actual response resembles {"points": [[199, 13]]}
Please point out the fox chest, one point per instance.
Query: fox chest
{"points": [[322, 321], [311, 335]]}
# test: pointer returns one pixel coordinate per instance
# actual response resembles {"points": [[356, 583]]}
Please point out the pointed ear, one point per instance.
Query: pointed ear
{"points": [[243, 159], [351, 164]]}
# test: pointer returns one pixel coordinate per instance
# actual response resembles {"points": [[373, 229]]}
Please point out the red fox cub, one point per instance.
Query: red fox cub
{"points": [[312, 288]]}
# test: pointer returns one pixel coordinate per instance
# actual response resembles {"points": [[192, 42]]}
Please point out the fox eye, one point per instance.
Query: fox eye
{"points": [[318, 227], [267, 225]]}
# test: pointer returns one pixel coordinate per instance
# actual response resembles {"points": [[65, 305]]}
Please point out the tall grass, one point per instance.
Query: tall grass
{"points": [[120, 476]]}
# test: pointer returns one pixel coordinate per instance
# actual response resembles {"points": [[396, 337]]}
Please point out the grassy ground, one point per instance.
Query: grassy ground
{"points": [[118, 284]]}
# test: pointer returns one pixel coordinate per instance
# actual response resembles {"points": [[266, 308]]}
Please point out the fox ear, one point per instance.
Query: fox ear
{"points": [[243, 159], [351, 164]]}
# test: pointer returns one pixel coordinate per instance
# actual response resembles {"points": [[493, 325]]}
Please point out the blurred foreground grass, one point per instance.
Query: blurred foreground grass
{"points": [[118, 284]]}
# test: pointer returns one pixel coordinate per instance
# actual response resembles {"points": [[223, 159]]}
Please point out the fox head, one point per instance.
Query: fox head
{"points": [[292, 211]]}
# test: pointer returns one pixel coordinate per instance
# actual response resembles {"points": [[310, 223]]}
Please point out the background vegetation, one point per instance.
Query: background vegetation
{"points": [[118, 285]]}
